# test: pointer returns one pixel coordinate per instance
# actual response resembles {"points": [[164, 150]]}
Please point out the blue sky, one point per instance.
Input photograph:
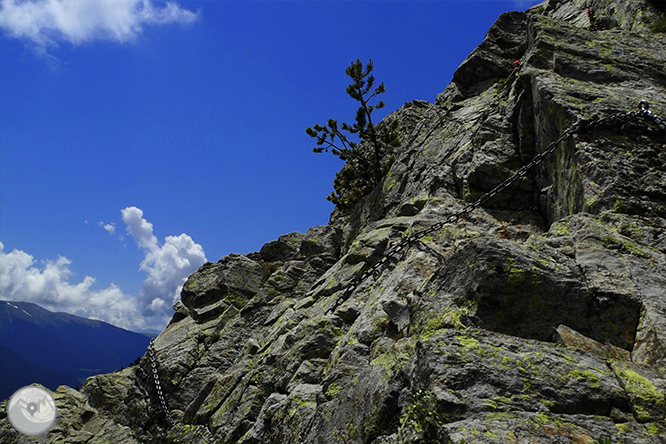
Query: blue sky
{"points": [[139, 138]]}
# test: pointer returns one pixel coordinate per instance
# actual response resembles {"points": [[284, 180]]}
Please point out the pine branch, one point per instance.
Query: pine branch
{"points": [[366, 162]]}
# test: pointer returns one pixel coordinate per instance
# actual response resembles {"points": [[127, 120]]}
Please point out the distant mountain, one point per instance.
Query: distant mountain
{"points": [[16, 372], [150, 333], [37, 345]]}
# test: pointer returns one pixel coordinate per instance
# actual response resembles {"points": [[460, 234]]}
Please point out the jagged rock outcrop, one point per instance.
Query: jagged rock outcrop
{"points": [[540, 317]]}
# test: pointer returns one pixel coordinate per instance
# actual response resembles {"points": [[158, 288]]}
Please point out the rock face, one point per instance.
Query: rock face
{"points": [[538, 317]]}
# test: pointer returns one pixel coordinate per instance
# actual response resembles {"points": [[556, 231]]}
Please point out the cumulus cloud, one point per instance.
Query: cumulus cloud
{"points": [[167, 266], [45, 22], [47, 284], [110, 228], [140, 229], [22, 279]]}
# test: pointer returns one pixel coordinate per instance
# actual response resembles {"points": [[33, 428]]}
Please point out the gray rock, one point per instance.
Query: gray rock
{"points": [[286, 247], [540, 316]]}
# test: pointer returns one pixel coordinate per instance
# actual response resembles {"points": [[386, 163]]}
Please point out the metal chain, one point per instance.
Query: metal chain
{"points": [[160, 395], [644, 112], [158, 386]]}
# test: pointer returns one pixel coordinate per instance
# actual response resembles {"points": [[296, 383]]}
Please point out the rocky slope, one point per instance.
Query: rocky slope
{"points": [[537, 317]]}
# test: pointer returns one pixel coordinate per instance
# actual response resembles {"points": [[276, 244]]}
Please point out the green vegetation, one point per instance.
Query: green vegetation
{"points": [[421, 418], [659, 25], [367, 161], [645, 395]]}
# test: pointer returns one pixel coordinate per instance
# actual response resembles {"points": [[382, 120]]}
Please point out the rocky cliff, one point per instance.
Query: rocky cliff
{"points": [[537, 316]]}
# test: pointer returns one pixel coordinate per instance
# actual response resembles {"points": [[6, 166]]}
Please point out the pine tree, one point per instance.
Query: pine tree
{"points": [[367, 161]]}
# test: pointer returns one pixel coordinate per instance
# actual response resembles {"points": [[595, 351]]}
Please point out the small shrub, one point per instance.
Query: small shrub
{"points": [[367, 161], [422, 417]]}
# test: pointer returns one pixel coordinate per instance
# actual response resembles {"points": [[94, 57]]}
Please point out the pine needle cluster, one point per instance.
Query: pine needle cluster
{"points": [[367, 161]]}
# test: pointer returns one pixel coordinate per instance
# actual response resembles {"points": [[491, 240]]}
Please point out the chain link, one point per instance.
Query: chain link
{"points": [[581, 125], [158, 386], [645, 111], [208, 436]]}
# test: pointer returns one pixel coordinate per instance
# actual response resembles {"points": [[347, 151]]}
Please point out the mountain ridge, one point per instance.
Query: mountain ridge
{"points": [[60, 346], [17, 372]]}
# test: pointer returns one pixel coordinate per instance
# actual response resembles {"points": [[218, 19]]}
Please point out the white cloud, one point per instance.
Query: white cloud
{"points": [[47, 284], [110, 228], [167, 266], [21, 279], [140, 229], [45, 22]]}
